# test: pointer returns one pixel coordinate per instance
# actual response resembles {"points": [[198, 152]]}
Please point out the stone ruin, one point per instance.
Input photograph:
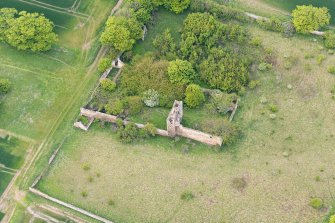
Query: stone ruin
{"points": [[173, 122]]}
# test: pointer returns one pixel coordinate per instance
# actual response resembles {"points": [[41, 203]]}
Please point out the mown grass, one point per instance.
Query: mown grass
{"points": [[277, 158]]}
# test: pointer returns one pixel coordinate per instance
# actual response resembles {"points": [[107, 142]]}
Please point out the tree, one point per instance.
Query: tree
{"points": [[121, 32], [133, 104], [104, 64], [181, 71], [30, 31], [114, 107], [308, 18], [194, 96], [6, 15], [224, 71], [177, 6], [4, 86], [164, 43]]}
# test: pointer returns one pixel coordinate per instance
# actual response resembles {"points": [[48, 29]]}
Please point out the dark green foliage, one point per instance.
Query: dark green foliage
{"points": [[224, 71], [194, 96], [165, 44], [181, 72], [26, 31], [187, 196], [147, 73], [222, 127], [329, 40], [4, 86], [133, 105], [221, 11], [128, 133]]}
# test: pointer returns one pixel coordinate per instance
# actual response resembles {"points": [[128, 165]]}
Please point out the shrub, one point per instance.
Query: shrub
{"points": [[151, 98], [86, 167], [114, 107], [4, 86], [84, 194], [272, 24], [187, 196], [223, 102], [177, 6], [164, 43], [273, 108], [133, 104], [148, 130], [194, 96], [320, 58], [316, 203], [331, 69], [222, 127], [83, 119], [329, 38], [254, 84], [128, 133], [111, 203], [264, 66], [181, 71], [332, 219], [108, 84], [308, 18], [104, 64]]}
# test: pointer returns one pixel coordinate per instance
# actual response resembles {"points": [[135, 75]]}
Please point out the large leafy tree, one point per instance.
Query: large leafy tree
{"points": [[121, 33], [165, 44], [177, 6], [308, 18], [182, 72], [224, 70], [30, 31], [6, 15]]}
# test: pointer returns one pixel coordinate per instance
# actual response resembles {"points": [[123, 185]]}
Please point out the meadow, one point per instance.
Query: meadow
{"points": [[279, 165], [12, 155]]}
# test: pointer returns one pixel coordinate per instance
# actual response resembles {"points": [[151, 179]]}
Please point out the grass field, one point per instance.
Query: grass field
{"points": [[284, 162], [12, 154]]}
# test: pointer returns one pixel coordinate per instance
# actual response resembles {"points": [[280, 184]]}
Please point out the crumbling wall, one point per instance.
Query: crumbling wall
{"points": [[199, 136]]}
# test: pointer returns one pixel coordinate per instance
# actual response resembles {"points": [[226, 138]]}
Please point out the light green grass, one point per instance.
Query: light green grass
{"points": [[278, 158]]}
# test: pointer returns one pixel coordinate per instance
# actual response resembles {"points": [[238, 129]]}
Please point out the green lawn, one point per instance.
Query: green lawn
{"points": [[284, 161]]}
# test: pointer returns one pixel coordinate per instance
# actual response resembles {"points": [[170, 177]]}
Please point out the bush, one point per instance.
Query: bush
{"points": [[114, 107], [181, 71], [332, 219], [187, 196], [320, 58], [133, 104], [264, 66], [222, 127], [84, 120], [104, 64], [164, 43], [151, 98], [329, 40], [308, 18], [148, 131], [4, 86], [239, 183], [316, 203], [273, 108], [331, 69], [128, 133], [223, 102], [108, 84], [254, 84], [194, 96], [272, 24]]}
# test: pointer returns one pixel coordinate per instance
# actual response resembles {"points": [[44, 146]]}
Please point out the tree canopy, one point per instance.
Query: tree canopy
{"points": [[182, 72], [121, 32], [194, 96], [308, 18], [26, 31]]}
